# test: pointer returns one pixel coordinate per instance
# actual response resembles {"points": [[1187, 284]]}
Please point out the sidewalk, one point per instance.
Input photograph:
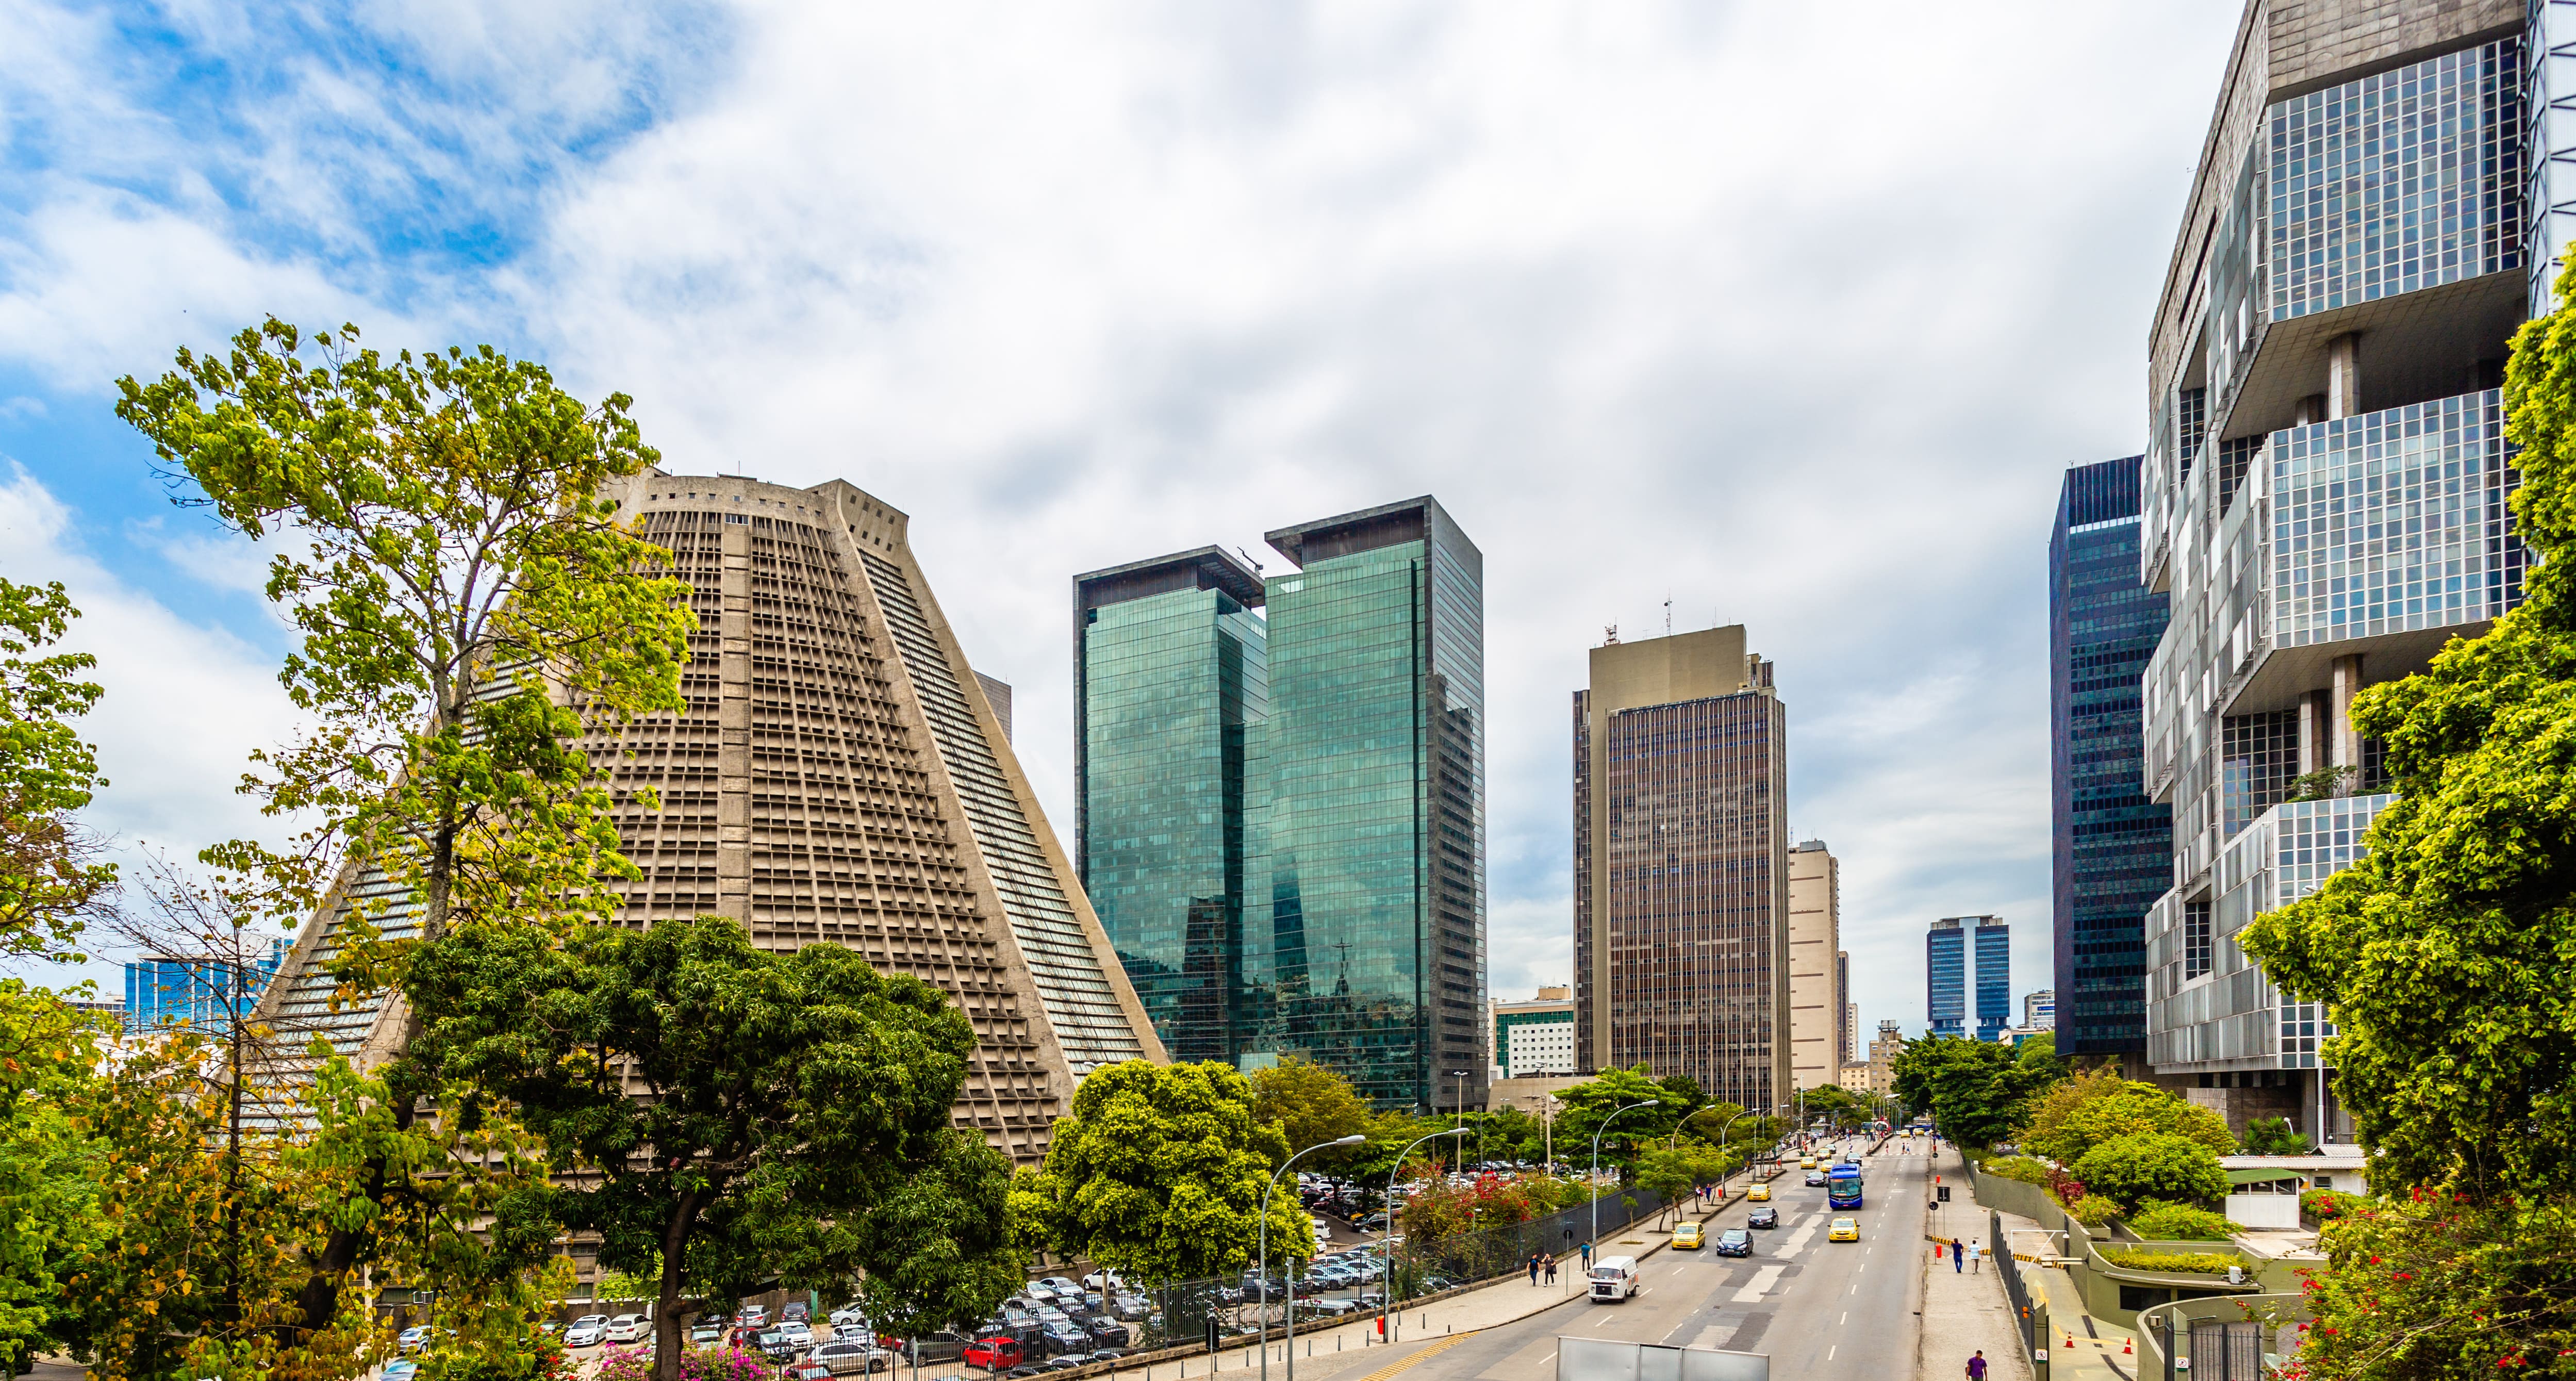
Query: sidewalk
{"points": [[1964, 1311], [2097, 1354]]}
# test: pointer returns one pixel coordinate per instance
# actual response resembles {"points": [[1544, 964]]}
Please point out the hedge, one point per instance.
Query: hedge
{"points": [[2176, 1263]]}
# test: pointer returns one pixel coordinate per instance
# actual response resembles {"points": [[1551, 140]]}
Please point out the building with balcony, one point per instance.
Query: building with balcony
{"points": [[1535, 1037], [2323, 494]]}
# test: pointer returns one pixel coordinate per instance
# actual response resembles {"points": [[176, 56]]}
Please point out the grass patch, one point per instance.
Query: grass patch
{"points": [[2175, 1263]]}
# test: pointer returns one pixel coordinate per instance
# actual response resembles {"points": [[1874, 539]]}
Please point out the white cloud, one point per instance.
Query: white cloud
{"points": [[1789, 314], [184, 707]]}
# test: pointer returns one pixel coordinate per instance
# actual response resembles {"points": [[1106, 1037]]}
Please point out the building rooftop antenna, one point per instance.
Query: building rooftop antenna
{"points": [[1668, 616]]}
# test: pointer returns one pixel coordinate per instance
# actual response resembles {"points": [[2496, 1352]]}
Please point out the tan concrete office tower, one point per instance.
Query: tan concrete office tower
{"points": [[1815, 966], [1681, 894], [840, 775]]}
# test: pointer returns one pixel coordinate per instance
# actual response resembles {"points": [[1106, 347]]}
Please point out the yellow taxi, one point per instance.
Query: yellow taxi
{"points": [[1688, 1235], [1843, 1230], [1806, 1162], [1760, 1194]]}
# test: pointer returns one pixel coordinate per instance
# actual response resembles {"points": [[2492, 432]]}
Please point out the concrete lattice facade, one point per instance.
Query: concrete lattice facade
{"points": [[1815, 966], [839, 775]]}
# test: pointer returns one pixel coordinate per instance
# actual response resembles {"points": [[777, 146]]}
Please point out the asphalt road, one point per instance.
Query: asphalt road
{"points": [[1822, 1310]]}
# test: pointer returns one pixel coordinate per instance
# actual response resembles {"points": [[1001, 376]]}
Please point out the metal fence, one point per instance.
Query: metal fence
{"points": [[2015, 1289]]}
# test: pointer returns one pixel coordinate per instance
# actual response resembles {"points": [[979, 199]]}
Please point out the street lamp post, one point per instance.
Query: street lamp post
{"points": [[1262, 1268], [1594, 1183], [1386, 1283], [1461, 1076]]}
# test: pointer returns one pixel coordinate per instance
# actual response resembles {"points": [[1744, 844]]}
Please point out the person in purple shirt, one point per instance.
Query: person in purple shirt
{"points": [[1977, 1366]]}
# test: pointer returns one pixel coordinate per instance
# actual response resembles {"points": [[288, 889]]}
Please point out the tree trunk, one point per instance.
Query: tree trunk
{"points": [[666, 1308]]}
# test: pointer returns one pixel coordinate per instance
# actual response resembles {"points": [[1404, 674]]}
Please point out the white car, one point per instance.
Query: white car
{"points": [[796, 1333], [1104, 1280], [586, 1331], [627, 1328], [849, 1315]]}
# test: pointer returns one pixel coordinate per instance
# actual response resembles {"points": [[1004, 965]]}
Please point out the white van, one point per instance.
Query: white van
{"points": [[1614, 1278]]}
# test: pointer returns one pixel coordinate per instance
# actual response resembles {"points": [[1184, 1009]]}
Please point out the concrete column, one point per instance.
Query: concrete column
{"points": [[2316, 741], [2309, 411], [2347, 740], [733, 725], [2343, 376]]}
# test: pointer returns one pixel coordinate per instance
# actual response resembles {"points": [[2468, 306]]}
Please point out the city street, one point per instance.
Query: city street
{"points": [[1822, 1310]]}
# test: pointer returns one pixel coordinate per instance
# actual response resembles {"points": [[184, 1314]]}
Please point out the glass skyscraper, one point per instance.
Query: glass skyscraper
{"points": [[1994, 978], [1945, 978], [204, 994], [1171, 684], [1327, 901], [2111, 848]]}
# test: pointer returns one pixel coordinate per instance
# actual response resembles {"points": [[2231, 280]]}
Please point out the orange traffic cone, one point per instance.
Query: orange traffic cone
{"points": [[2070, 1340], [2128, 1347]]}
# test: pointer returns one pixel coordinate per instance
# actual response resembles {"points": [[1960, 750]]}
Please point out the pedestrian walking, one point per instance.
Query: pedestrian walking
{"points": [[1958, 1258], [1977, 1366], [1533, 1269], [1549, 1265], [1587, 1256], [1977, 1255]]}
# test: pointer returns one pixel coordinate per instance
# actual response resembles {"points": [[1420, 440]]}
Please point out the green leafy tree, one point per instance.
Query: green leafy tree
{"points": [[1674, 1171], [2429, 1287], [2447, 954], [1591, 1106], [2075, 1116], [52, 878], [1158, 1173], [1311, 1105], [49, 1213], [467, 609], [2141, 1166], [1976, 1091], [1840, 1108], [793, 1122]]}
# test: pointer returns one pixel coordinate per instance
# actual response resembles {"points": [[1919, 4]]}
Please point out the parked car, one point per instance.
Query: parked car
{"points": [[756, 1315], [627, 1328], [706, 1331], [1130, 1308], [403, 1370], [1329, 1308], [1105, 1332], [1763, 1218], [1735, 1242], [845, 1355], [410, 1339], [1067, 1362], [774, 1343], [848, 1315], [1061, 1284], [805, 1371], [1024, 1371], [1104, 1280], [1058, 1338], [929, 1348], [995, 1353], [796, 1313]]}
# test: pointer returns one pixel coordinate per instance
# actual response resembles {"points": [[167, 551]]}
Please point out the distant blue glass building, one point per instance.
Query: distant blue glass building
{"points": [[1994, 978], [200, 993], [2111, 847], [1945, 970]]}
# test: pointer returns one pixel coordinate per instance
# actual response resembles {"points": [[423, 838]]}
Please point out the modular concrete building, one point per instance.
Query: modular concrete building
{"points": [[840, 775], [2380, 200]]}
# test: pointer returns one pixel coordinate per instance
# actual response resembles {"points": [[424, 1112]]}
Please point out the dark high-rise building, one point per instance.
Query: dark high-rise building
{"points": [[1375, 758], [2111, 848], [1283, 818], [1681, 865], [1994, 978], [1171, 682], [1945, 978]]}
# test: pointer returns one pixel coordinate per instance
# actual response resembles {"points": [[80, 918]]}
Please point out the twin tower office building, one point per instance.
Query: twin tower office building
{"points": [[1280, 780]]}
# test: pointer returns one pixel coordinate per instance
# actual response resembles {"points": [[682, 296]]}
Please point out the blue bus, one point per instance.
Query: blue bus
{"points": [[1842, 1186]]}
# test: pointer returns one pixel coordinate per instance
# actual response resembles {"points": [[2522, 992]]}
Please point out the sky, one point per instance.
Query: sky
{"points": [[1774, 314]]}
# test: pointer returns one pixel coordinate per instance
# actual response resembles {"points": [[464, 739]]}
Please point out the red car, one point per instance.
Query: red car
{"points": [[995, 1354]]}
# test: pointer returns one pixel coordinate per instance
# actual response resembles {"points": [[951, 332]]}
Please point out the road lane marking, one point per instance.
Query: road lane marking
{"points": [[1846, 1318], [1762, 1281], [1401, 1363], [1829, 1352]]}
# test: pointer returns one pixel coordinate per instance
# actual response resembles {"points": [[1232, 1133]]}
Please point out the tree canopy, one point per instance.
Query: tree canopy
{"points": [[1158, 1172], [1592, 1106], [52, 878], [792, 1123], [2138, 1166], [1976, 1091], [1311, 1105], [2074, 1116]]}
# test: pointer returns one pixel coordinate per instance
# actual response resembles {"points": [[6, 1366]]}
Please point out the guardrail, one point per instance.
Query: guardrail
{"points": [[2029, 1315]]}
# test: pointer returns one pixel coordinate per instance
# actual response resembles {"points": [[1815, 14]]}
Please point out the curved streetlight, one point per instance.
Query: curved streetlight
{"points": [[1386, 1282], [1594, 1183], [1261, 1267]]}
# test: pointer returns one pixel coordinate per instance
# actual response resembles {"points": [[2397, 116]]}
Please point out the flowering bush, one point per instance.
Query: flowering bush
{"points": [[1440, 1209], [2326, 1205], [625, 1364], [2436, 1288], [723, 1364]]}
